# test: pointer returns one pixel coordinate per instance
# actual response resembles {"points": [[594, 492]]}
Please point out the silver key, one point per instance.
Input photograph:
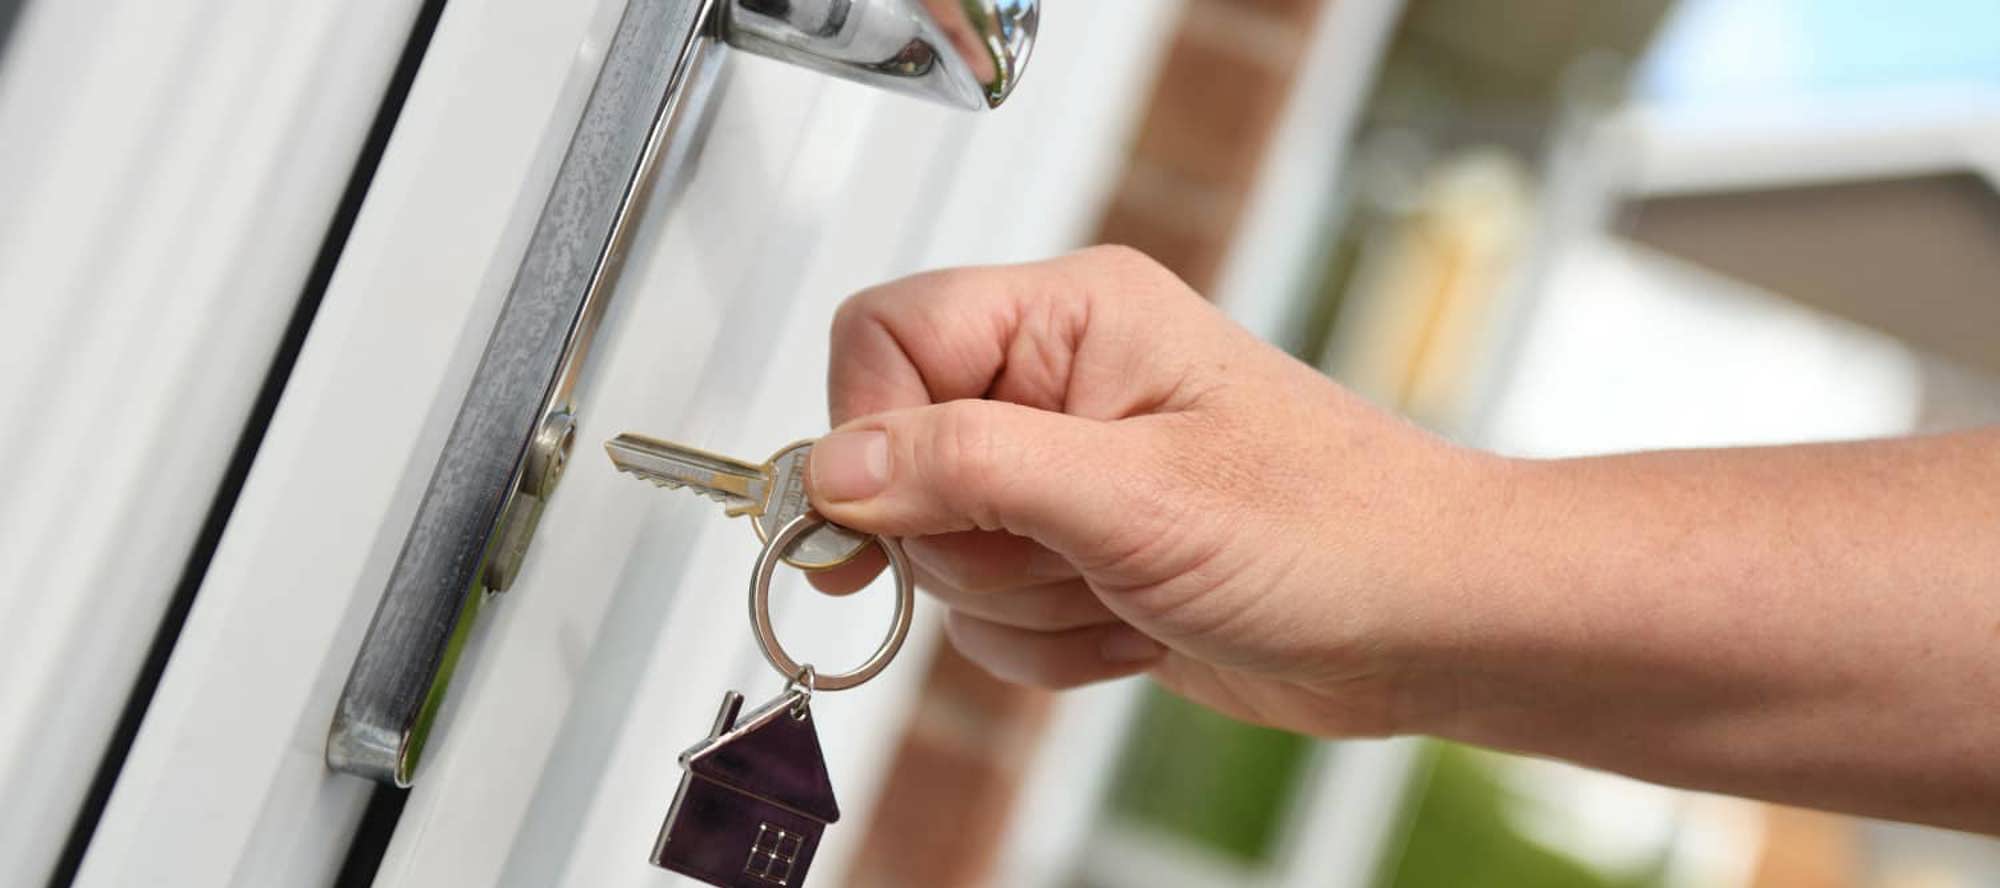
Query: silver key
{"points": [[772, 494]]}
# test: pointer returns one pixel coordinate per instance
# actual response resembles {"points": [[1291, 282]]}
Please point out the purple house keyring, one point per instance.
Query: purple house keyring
{"points": [[754, 795]]}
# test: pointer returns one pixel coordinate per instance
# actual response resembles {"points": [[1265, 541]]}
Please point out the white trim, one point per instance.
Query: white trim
{"points": [[1340, 832], [1055, 820], [168, 172], [1277, 253], [1123, 854], [1667, 151]]}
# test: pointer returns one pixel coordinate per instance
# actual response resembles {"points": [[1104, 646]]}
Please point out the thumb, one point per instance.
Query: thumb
{"points": [[1065, 481]]}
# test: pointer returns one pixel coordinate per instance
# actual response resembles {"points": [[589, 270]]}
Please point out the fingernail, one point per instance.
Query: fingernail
{"points": [[1124, 644], [848, 466]]}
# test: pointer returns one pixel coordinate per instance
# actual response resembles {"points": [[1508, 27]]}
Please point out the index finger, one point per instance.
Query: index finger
{"points": [[929, 338]]}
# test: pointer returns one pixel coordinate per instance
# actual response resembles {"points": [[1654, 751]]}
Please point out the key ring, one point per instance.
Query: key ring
{"points": [[760, 608]]}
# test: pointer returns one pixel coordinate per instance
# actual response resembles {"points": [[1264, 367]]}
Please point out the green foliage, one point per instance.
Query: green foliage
{"points": [[1460, 836], [1209, 779]]}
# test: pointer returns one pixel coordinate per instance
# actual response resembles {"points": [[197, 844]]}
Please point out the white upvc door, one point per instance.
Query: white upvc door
{"points": [[168, 173], [553, 759]]}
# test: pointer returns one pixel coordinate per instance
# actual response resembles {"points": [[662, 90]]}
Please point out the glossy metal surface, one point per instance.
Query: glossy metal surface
{"points": [[767, 637], [964, 53], [741, 487], [758, 784], [491, 477], [771, 494], [824, 546]]}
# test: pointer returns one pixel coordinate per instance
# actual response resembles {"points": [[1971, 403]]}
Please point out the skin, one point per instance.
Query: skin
{"points": [[1100, 475]]}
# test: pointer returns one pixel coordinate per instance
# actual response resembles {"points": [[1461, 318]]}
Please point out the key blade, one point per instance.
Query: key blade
{"points": [[742, 488]]}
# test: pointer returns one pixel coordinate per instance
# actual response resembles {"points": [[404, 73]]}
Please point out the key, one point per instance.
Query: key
{"points": [[771, 494]]}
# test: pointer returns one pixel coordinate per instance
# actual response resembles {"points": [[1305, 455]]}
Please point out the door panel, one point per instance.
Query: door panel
{"points": [[168, 173], [227, 783], [553, 758]]}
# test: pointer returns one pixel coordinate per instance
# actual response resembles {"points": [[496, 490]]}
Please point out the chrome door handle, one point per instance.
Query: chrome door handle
{"points": [[505, 452], [966, 53]]}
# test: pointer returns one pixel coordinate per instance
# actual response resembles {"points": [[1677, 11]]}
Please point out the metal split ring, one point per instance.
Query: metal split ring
{"points": [[767, 637], [801, 688]]}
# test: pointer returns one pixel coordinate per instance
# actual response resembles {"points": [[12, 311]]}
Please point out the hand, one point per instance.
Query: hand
{"points": [[1100, 474]]}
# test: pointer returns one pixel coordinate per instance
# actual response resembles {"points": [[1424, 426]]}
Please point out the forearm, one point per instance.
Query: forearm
{"points": [[1814, 624]]}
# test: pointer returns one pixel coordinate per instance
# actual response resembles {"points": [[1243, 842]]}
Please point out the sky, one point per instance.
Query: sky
{"points": [[1713, 51]]}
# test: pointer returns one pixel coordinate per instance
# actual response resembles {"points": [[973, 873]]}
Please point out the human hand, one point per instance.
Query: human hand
{"points": [[1100, 474]]}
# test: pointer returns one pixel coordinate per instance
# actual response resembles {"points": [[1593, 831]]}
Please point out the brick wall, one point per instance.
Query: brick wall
{"points": [[1212, 114]]}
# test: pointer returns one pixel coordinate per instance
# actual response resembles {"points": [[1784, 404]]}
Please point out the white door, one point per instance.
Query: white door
{"points": [[553, 757], [169, 176]]}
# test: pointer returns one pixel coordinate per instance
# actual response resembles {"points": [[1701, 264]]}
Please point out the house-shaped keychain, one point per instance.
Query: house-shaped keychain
{"points": [[753, 800]]}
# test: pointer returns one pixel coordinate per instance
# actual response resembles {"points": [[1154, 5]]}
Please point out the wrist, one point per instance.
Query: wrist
{"points": [[1475, 608]]}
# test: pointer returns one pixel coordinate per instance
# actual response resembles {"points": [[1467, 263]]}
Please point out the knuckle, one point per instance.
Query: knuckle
{"points": [[852, 315], [1005, 655], [979, 578], [893, 303], [1119, 256], [867, 307], [951, 282], [1122, 262], [1057, 676], [935, 293], [1031, 608], [1050, 612], [1030, 668], [953, 572]]}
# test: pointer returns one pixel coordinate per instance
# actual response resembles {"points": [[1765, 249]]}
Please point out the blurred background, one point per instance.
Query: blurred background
{"points": [[1547, 227], [1544, 227]]}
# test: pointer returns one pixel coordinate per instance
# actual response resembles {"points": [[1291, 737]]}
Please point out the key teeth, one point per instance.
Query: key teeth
{"points": [[658, 481]]}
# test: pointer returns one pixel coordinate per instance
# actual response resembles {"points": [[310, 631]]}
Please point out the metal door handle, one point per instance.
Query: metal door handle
{"points": [[507, 446], [966, 53]]}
